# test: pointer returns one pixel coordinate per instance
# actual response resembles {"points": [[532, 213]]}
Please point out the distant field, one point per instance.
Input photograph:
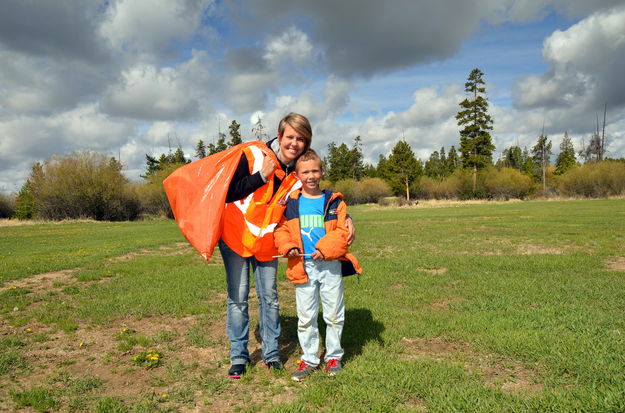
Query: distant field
{"points": [[479, 307]]}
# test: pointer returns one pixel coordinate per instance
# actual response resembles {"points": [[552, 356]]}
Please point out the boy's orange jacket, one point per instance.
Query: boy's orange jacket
{"points": [[197, 195], [333, 245]]}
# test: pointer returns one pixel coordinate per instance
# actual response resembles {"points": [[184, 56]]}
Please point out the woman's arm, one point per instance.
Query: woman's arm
{"points": [[243, 183]]}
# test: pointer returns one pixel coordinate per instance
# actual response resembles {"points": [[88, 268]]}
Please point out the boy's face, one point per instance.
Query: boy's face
{"points": [[310, 173]]}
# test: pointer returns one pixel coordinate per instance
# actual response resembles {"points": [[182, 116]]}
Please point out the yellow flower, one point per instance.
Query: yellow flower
{"points": [[29, 330], [82, 344]]}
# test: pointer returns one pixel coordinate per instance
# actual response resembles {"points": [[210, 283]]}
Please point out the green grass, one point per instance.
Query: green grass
{"points": [[476, 307]]}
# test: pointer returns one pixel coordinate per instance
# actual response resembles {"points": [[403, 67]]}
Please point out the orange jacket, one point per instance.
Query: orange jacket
{"points": [[333, 245], [249, 223]]}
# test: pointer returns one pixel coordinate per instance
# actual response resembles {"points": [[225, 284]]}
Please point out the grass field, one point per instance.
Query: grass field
{"points": [[495, 307]]}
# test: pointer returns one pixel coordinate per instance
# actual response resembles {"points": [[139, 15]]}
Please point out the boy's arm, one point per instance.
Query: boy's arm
{"points": [[334, 244], [282, 238]]}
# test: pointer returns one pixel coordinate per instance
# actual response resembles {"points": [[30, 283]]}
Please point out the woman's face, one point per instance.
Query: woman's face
{"points": [[291, 144]]}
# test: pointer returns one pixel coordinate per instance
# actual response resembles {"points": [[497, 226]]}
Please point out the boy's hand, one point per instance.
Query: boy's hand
{"points": [[317, 255], [293, 252], [349, 224]]}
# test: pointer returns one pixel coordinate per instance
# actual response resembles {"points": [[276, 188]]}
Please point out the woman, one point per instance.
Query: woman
{"points": [[254, 205]]}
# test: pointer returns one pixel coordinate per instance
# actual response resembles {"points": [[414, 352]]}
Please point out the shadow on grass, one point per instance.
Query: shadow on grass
{"points": [[288, 340], [360, 329]]}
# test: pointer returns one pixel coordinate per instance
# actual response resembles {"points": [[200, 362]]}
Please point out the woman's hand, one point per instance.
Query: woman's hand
{"points": [[352, 230], [268, 167], [317, 255]]}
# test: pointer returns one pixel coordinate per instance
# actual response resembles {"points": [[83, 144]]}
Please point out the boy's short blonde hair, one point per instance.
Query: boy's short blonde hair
{"points": [[309, 155]]}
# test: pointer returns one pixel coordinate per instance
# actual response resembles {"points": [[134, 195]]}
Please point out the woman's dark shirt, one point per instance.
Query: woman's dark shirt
{"points": [[243, 183]]}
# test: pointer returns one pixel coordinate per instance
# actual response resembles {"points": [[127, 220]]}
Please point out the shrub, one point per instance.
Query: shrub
{"points": [[348, 188], [7, 206], [594, 179], [506, 183], [81, 185], [370, 190], [393, 201], [151, 194], [429, 188]]}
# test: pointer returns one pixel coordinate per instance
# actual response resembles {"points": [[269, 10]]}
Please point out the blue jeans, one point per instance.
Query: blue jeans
{"points": [[326, 283], [238, 320]]}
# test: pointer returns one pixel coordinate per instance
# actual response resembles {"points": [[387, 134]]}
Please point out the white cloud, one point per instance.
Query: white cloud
{"points": [[429, 107], [586, 65], [145, 92], [152, 28], [290, 48], [28, 139]]}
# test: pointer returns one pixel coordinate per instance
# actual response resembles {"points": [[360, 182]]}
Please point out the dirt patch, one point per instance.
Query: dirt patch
{"points": [[532, 249], [17, 222], [380, 252], [436, 271], [414, 404], [43, 282], [528, 249], [163, 250], [445, 303], [616, 264], [508, 375], [443, 203], [192, 375]]}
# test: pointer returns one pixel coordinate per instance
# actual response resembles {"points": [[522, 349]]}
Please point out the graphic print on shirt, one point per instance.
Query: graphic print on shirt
{"points": [[311, 222]]}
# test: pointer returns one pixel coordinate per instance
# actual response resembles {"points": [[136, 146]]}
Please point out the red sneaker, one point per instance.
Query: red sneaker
{"points": [[333, 366]]}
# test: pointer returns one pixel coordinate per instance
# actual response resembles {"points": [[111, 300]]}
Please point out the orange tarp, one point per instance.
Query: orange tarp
{"points": [[197, 195]]}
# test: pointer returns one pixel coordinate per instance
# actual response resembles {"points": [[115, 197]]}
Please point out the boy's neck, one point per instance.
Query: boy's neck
{"points": [[311, 193]]}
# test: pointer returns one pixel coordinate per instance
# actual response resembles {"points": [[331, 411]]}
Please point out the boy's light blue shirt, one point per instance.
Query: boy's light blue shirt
{"points": [[311, 223]]}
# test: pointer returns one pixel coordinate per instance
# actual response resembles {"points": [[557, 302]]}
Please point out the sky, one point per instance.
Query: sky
{"points": [[133, 77]]}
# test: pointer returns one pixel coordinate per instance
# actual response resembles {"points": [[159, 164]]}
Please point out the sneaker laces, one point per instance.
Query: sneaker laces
{"points": [[331, 363], [301, 365]]}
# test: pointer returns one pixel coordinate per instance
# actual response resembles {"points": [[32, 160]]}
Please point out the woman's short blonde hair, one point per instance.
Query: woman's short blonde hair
{"points": [[301, 125]]}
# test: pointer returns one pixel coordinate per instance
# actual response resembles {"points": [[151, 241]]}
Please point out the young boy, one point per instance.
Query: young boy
{"points": [[312, 234]]}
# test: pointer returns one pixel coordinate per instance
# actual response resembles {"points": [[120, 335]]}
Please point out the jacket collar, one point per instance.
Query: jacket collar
{"points": [[329, 195], [274, 145]]}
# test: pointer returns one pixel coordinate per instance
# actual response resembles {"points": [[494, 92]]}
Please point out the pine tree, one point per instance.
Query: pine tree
{"points": [[200, 149], [357, 159], [403, 168], [154, 165], [381, 169], [258, 130], [339, 162], [527, 163], [453, 161], [443, 162], [178, 157], [220, 146], [433, 166], [235, 135], [541, 152], [512, 158], [475, 141], [566, 158]]}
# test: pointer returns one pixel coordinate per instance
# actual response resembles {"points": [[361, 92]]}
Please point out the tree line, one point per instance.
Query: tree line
{"points": [[92, 185]]}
